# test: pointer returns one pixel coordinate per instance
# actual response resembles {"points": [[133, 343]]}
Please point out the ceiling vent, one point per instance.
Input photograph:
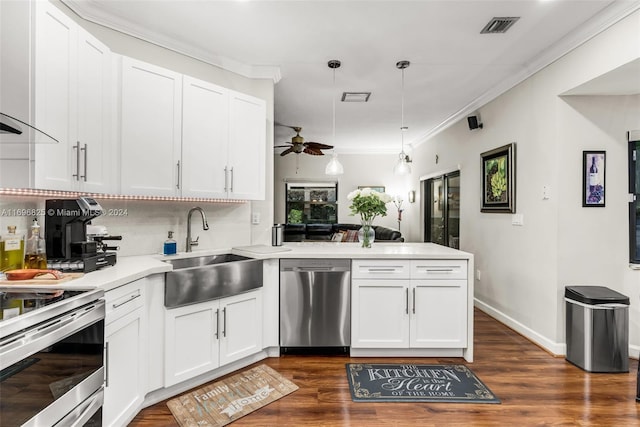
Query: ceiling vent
{"points": [[499, 25], [355, 96]]}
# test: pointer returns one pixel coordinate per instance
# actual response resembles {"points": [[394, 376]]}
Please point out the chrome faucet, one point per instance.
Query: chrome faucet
{"points": [[205, 226]]}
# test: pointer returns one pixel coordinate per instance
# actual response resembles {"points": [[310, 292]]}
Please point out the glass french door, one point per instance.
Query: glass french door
{"points": [[442, 210]]}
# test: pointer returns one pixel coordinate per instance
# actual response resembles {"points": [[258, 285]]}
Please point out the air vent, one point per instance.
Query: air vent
{"points": [[355, 96], [499, 25]]}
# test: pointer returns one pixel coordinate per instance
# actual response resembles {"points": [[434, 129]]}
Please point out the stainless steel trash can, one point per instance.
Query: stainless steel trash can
{"points": [[277, 234], [597, 328]]}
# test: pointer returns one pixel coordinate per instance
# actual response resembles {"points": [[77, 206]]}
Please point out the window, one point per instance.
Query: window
{"points": [[312, 203], [634, 197]]}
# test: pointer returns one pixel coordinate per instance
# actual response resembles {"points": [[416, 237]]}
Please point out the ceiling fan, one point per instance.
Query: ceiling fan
{"points": [[297, 145]]}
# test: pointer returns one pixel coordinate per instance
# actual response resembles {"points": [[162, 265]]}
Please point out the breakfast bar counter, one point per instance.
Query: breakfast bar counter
{"points": [[352, 251]]}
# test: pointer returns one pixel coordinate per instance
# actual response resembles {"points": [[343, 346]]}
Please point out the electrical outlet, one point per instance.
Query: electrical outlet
{"points": [[478, 274], [255, 218]]}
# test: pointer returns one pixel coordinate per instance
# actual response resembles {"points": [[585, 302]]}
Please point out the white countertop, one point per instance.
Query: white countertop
{"points": [[355, 251], [128, 269]]}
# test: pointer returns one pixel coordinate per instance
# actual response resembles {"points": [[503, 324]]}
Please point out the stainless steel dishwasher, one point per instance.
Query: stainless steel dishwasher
{"points": [[315, 303]]}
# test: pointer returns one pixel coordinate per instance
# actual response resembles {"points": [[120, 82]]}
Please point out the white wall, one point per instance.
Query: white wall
{"points": [[524, 269], [360, 170]]}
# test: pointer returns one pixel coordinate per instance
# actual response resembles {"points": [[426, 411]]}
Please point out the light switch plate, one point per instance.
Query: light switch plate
{"points": [[255, 218], [517, 219]]}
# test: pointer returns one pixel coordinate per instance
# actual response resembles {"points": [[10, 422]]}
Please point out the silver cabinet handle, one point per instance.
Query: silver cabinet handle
{"points": [[439, 270], [407, 304], [77, 148], [224, 322], [178, 175], [131, 298], [378, 270], [106, 364], [225, 179], [84, 177], [218, 324], [231, 189], [414, 300]]}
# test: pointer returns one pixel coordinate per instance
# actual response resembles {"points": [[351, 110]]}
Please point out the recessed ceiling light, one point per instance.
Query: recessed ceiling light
{"points": [[355, 96]]}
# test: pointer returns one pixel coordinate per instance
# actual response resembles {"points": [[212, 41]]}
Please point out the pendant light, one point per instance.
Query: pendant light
{"points": [[334, 167], [402, 167]]}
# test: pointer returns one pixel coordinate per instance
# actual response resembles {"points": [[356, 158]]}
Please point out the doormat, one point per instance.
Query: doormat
{"points": [[225, 401], [416, 383], [17, 367]]}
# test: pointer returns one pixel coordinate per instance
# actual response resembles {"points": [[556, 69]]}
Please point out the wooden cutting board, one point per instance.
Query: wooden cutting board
{"points": [[43, 280]]}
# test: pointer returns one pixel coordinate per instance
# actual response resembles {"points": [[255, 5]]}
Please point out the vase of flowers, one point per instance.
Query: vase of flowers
{"points": [[368, 204]]}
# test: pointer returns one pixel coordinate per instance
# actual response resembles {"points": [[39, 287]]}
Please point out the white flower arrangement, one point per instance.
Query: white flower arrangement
{"points": [[368, 203]]}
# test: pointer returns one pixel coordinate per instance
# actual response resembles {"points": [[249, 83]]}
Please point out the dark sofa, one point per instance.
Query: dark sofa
{"points": [[302, 232]]}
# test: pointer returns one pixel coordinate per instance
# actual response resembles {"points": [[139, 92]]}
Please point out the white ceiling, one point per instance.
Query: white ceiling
{"points": [[454, 69]]}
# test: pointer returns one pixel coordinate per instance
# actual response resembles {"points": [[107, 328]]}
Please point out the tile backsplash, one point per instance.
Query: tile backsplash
{"points": [[144, 225]]}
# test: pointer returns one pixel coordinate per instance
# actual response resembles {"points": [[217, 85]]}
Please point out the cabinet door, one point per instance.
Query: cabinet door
{"points": [[191, 341], [439, 313], [247, 145], [241, 328], [95, 168], [205, 135], [124, 386], [150, 120], [380, 314], [15, 83], [55, 97]]}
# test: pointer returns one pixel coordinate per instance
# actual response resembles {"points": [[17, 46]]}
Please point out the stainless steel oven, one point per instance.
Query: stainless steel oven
{"points": [[51, 357]]}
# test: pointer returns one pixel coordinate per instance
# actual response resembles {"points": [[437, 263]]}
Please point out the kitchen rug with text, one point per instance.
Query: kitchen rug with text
{"points": [[224, 401], [416, 383]]}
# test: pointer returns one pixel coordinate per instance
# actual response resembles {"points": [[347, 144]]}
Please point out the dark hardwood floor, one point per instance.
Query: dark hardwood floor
{"points": [[535, 389]]}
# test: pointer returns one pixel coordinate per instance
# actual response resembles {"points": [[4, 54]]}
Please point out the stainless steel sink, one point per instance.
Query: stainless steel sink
{"points": [[200, 261], [204, 278]]}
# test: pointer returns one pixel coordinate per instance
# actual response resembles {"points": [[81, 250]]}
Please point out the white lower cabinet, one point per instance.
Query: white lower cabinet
{"points": [[379, 317], [409, 304], [125, 353], [201, 337]]}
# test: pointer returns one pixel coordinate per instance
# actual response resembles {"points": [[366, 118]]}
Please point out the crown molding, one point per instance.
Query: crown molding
{"points": [[612, 14], [83, 9]]}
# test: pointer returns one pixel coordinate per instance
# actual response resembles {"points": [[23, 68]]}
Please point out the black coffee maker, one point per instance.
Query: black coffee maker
{"points": [[68, 248]]}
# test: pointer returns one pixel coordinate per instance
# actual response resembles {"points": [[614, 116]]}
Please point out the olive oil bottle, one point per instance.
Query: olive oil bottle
{"points": [[11, 250], [35, 254]]}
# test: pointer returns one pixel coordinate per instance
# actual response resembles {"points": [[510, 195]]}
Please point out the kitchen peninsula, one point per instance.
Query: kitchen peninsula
{"points": [[408, 299]]}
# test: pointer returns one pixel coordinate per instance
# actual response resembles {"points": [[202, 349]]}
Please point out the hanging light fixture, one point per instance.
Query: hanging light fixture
{"points": [[334, 167], [402, 167]]}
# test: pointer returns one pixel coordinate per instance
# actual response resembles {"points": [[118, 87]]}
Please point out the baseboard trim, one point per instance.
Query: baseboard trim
{"points": [[557, 349]]}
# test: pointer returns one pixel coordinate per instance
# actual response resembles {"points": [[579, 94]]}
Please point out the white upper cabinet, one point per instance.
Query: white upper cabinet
{"points": [[16, 27], [55, 95], [194, 138], [247, 145], [95, 170], [205, 130], [150, 126], [223, 142], [72, 104]]}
